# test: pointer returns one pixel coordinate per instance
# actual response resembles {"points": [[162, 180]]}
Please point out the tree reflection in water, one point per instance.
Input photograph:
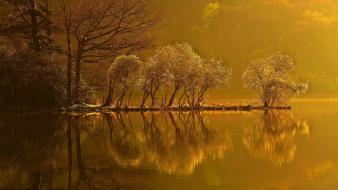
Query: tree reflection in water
{"points": [[126, 150], [272, 137], [174, 143], [29, 150], [88, 167]]}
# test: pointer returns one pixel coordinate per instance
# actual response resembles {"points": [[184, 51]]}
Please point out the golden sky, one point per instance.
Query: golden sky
{"points": [[238, 31]]}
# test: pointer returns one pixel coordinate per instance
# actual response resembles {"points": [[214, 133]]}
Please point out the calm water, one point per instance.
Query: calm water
{"points": [[158, 151]]}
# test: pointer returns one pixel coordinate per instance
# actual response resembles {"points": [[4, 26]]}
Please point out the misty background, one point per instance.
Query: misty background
{"points": [[242, 30]]}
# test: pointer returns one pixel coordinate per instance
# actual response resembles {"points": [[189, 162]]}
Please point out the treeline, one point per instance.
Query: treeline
{"points": [[47, 46], [175, 73]]}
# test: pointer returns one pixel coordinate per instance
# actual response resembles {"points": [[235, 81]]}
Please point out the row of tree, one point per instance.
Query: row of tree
{"points": [[47, 45], [175, 69], [172, 69]]}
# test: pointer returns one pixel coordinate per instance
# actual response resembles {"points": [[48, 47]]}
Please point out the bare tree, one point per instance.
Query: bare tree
{"points": [[271, 78], [67, 23], [105, 28]]}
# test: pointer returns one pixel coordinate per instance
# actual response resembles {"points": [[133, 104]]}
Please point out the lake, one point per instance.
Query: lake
{"points": [[254, 150]]}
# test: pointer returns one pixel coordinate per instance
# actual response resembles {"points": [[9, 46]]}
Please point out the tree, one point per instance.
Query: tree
{"points": [[155, 75], [179, 67], [122, 76], [192, 83], [201, 76], [180, 57], [271, 78], [215, 74], [182, 62], [67, 23], [28, 79], [30, 20], [106, 28]]}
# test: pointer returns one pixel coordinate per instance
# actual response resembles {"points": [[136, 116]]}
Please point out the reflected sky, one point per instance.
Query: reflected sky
{"points": [[170, 150]]}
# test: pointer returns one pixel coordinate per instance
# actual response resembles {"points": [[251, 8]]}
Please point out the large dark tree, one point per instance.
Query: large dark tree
{"points": [[30, 20], [106, 28]]}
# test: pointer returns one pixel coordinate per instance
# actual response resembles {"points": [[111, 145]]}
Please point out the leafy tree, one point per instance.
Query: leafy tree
{"points": [[122, 76], [180, 68], [181, 57], [184, 67], [193, 81], [155, 75], [215, 74], [271, 78]]}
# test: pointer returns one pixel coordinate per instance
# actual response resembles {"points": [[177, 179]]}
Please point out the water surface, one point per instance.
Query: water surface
{"points": [[295, 149]]}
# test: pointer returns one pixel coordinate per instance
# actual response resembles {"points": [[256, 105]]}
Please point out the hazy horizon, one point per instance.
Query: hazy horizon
{"points": [[244, 30]]}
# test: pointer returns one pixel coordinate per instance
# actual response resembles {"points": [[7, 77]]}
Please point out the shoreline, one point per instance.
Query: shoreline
{"points": [[176, 109], [99, 109]]}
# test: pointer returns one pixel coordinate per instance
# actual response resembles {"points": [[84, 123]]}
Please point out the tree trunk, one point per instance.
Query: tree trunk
{"points": [[153, 96], [153, 100], [67, 21], [120, 100], [266, 104], [69, 70], [109, 97], [129, 98], [34, 25], [77, 77], [172, 97], [193, 99], [144, 99], [200, 96], [181, 98]]}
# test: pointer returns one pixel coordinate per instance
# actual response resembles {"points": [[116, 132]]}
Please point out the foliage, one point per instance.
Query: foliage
{"points": [[123, 76], [178, 59], [31, 21], [179, 67], [213, 75], [29, 79], [271, 78], [155, 75]]}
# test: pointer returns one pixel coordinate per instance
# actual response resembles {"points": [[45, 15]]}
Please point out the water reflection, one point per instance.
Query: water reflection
{"points": [[272, 137], [174, 143], [130, 150], [29, 149], [89, 163]]}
